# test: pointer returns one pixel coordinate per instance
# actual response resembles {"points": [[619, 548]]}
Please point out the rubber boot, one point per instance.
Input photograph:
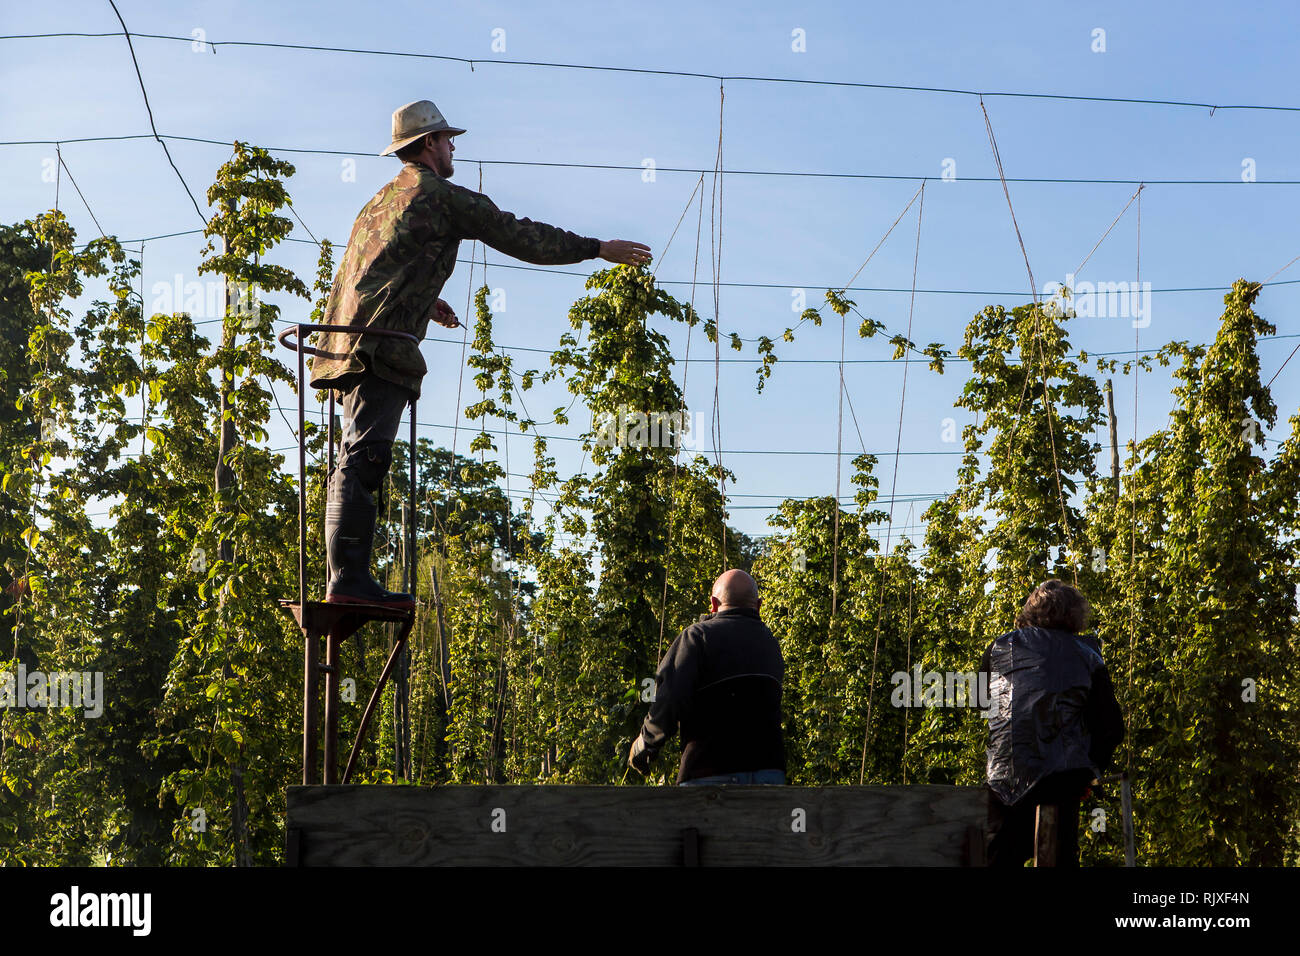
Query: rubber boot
{"points": [[349, 533]]}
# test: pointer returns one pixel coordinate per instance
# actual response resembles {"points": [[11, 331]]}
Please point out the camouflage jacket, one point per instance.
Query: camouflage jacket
{"points": [[401, 252]]}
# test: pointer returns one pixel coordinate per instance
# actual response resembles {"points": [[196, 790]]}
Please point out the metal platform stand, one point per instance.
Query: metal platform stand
{"points": [[337, 622]]}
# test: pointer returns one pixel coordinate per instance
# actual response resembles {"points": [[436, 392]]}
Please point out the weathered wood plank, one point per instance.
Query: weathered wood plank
{"points": [[636, 826], [1045, 835]]}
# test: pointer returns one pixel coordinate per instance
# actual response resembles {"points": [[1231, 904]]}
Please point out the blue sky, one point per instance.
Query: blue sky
{"points": [[809, 233]]}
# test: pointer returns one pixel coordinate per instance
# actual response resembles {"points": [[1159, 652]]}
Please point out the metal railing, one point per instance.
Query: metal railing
{"points": [[337, 622], [298, 332]]}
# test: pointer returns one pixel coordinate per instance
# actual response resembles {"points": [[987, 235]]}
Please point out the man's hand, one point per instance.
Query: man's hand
{"points": [[445, 316], [637, 757], [625, 252]]}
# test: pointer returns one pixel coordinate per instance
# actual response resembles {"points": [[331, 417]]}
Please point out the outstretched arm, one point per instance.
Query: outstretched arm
{"points": [[475, 216]]}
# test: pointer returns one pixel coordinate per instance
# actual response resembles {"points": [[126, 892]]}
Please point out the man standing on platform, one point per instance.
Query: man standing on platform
{"points": [[400, 254], [720, 682]]}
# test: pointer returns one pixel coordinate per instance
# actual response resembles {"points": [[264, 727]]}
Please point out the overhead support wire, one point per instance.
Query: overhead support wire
{"points": [[721, 78], [148, 109], [692, 170], [899, 290]]}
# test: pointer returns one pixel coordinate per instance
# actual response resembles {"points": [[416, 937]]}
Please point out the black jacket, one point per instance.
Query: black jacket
{"points": [[720, 682], [1053, 709]]}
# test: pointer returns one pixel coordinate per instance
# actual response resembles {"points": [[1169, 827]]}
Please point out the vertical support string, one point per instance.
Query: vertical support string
{"points": [[893, 494], [716, 255], [1033, 291], [1132, 552], [684, 410]]}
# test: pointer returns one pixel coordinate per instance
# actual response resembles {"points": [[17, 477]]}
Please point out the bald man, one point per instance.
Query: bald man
{"points": [[720, 684]]}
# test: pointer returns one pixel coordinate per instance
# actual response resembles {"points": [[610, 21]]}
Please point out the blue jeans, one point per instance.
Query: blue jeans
{"points": [[773, 777]]}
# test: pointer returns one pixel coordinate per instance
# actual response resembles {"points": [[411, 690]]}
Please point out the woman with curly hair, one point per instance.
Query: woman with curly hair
{"points": [[1054, 722]]}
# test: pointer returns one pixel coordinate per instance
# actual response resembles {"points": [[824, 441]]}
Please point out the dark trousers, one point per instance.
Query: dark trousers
{"points": [[372, 412], [1011, 829], [751, 777]]}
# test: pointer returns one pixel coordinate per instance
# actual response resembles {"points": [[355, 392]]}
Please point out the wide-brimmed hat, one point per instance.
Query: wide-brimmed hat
{"points": [[414, 120]]}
